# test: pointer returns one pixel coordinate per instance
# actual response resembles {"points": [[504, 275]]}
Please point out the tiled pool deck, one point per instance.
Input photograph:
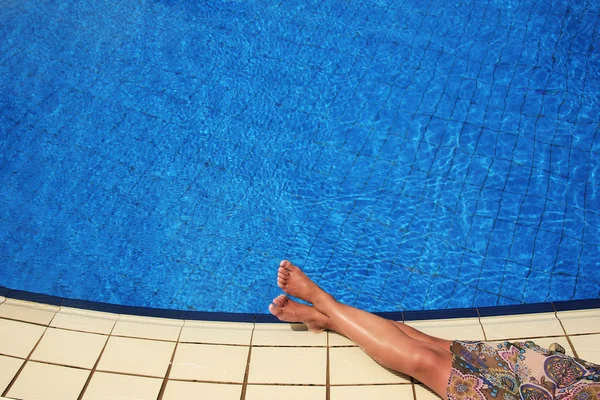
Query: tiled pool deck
{"points": [[55, 352]]}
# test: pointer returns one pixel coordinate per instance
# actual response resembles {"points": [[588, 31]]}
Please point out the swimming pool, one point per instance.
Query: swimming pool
{"points": [[408, 155]]}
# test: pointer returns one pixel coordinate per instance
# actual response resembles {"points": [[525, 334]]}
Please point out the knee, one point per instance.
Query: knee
{"points": [[425, 360]]}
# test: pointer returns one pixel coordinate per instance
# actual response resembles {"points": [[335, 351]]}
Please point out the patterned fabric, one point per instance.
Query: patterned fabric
{"points": [[519, 370]]}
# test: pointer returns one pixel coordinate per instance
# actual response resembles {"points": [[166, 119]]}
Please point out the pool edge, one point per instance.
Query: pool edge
{"points": [[473, 312]]}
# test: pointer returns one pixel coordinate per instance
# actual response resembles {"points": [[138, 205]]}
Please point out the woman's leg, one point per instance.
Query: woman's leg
{"points": [[379, 338], [289, 310]]}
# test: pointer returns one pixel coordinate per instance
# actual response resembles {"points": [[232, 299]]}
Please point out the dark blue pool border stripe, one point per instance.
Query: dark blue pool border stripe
{"points": [[263, 318]]}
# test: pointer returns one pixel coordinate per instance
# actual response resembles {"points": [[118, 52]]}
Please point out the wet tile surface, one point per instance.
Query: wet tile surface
{"points": [[8, 369], [204, 362], [71, 348], [18, 338], [136, 356], [148, 328], [106, 386], [582, 321], [272, 365], [84, 320], [351, 366], [27, 311], [521, 326], [264, 392], [451, 329], [177, 390], [48, 382], [383, 392], [136, 368], [216, 332], [587, 347], [280, 335]]}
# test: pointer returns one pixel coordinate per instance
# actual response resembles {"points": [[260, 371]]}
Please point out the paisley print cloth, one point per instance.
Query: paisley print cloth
{"points": [[519, 370]]}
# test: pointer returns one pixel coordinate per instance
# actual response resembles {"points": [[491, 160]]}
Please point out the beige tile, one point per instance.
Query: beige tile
{"points": [[48, 382], [8, 369], [207, 362], [521, 326], [351, 366], [288, 365], [27, 311], [264, 392], [105, 386], [287, 335], [76, 349], [424, 393], [84, 320], [136, 356], [337, 340], [2, 299], [18, 338], [216, 332], [451, 329], [177, 390], [546, 342], [587, 347], [581, 321], [379, 392], [148, 328]]}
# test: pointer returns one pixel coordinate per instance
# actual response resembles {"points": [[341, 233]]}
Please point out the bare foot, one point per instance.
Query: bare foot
{"points": [[294, 282], [290, 311]]}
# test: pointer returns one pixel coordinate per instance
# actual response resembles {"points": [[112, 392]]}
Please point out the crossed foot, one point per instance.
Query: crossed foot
{"points": [[295, 283]]}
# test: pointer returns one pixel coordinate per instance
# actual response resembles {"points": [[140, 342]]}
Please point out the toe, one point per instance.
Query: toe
{"points": [[280, 300], [276, 311], [281, 278], [285, 264]]}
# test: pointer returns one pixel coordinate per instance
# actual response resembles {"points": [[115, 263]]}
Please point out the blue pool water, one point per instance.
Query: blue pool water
{"points": [[409, 155]]}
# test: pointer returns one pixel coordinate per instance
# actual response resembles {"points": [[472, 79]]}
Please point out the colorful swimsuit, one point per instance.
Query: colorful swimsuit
{"points": [[519, 370]]}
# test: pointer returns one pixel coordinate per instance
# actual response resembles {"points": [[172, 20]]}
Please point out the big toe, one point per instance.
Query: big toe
{"points": [[276, 311], [285, 264]]}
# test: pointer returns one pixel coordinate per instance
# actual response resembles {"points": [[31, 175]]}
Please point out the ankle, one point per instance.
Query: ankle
{"points": [[323, 302]]}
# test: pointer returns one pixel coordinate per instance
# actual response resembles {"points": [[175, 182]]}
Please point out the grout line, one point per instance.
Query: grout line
{"points": [[289, 346], [11, 356], [221, 344], [59, 365], [205, 381], [109, 334], [327, 371], [520, 338], [414, 389], [78, 331], [127, 374], [144, 338], [584, 334], [481, 324], [163, 386], [247, 372], [297, 384], [26, 322], [89, 379], [292, 384], [565, 332]]}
